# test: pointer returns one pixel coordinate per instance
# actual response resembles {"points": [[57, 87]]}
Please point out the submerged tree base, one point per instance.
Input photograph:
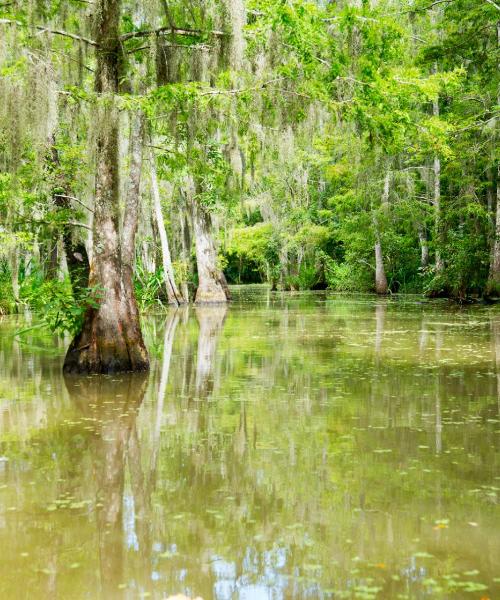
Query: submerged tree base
{"points": [[102, 349]]}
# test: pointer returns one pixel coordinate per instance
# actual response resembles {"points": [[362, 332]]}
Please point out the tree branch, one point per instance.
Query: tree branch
{"points": [[241, 90], [72, 36], [75, 199], [421, 9], [171, 30], [493, 4]]}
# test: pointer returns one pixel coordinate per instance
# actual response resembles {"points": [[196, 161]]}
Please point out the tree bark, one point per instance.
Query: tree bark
{"points": [[186, 250], [131, 221], [424, 247], [437, 212], [14, 272], [174, 296], [494, 276], [494, 279], [237, 20], [212, 286], [381, 286], [437, 195], [111, 339]]}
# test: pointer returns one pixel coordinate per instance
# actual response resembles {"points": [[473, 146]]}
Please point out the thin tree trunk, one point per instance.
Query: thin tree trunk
{"points": [[437, 194], [173, 294], [14, 272], [111, 339], [381, 286], [185, 245], [494, 282], [424, 247], [53, 263], [212, 286], [437, 209], [494, 276]]}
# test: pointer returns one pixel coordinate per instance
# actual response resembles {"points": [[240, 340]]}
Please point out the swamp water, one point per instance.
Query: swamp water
{"points": [[292, 446]]}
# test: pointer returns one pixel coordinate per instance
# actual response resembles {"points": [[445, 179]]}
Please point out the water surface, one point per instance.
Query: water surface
{"points": [[293, 446]]}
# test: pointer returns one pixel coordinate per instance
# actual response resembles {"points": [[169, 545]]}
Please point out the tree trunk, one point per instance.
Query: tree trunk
{"points": [[437, 212], [53, 262], [437, 196], [237, 20], [14, 272], [381, 286], [494, 279], [494, 276], [424, 247], [212, 286], [131, 220], [111, 339], [186, 248], [173, 294]]}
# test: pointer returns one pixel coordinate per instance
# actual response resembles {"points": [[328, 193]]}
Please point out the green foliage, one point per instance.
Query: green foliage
{"points": [[7, 303], [288, 152], [149, 288], [61, 312]]}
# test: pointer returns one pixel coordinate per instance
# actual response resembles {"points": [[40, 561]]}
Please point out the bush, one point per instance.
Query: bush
{"points": [[60, 310], [7, 304], [149, 288]]}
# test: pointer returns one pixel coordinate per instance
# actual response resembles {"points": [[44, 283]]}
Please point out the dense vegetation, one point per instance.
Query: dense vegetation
{"points": [[164, 148]]}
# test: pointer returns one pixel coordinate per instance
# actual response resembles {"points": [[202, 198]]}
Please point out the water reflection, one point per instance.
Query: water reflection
{"points": [[111, 406], [294, 448], [211, 321]]}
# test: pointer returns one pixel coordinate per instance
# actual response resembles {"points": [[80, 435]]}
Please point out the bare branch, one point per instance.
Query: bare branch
{"points": [[75, 224], [421, 9], [76, 200], [171, 30], [72, 36], [241, 90]]}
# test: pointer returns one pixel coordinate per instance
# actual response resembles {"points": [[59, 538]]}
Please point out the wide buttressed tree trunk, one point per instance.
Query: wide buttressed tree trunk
{"points": [[212, 284], [111, 339]]}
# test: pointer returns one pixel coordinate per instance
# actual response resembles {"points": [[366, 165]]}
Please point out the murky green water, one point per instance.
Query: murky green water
{"points": [[303, 446]]}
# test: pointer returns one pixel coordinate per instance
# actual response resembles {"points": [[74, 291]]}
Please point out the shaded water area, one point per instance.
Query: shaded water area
{"points": [[291, 446]]}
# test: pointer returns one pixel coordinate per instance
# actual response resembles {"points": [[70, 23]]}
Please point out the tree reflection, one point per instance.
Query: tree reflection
{"points": [[211, 320], [380, 312], [111, 406]]}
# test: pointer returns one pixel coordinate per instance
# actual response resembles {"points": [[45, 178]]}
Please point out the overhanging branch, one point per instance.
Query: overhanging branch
{"points": [[173, 31], [67, 34]]}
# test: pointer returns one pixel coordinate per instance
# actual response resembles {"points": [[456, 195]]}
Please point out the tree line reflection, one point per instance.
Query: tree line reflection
{"points": [[250, 455]]}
